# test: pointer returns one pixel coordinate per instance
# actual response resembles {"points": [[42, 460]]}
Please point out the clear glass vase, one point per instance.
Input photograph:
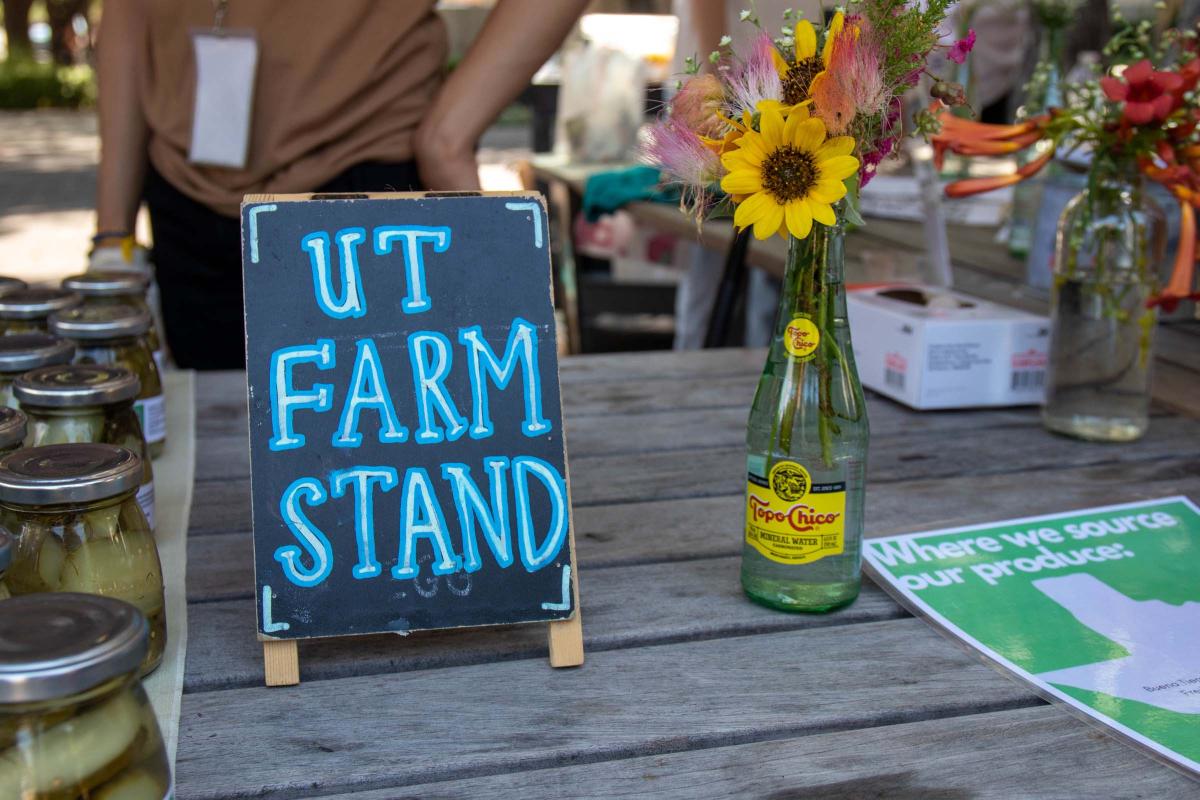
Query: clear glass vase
{"points": [[806, 443], [1111, 241]]}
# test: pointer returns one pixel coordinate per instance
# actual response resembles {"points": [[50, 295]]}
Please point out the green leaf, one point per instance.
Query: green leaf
{"points": [[850, 206]]}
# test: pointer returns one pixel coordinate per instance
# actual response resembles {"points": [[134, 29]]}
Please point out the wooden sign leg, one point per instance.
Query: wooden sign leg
{"points": [[281, 662], [566, 641]]}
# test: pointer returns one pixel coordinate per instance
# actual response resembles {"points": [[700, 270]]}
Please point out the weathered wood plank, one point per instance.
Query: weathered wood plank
{"points": [[1177, 388], [1037, 752], [626, 607], [397, 729], [1178, 344]]}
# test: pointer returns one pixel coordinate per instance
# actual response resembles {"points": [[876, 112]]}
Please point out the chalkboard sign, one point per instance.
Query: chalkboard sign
{"points": [[407, 459]]}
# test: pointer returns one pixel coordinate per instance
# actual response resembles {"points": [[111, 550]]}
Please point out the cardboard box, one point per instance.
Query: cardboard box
{"points": [[935, 348]]}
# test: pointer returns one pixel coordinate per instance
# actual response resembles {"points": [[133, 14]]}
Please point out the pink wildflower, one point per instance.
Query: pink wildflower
{"points": [[754, 79], [685, 159], [852, 85], [960, 49]]}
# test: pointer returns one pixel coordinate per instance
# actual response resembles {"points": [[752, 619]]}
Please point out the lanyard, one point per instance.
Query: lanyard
{"points": [[220, 9]]}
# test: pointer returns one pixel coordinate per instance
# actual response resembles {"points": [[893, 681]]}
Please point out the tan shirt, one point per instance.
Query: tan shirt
{"points": [[339, 82]]}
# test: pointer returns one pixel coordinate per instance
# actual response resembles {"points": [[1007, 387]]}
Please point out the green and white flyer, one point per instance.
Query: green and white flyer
{"points": [[1098, 608]]}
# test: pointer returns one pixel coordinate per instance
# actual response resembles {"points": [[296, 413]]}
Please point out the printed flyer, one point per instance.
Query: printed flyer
{"points": [[1098, 608]]}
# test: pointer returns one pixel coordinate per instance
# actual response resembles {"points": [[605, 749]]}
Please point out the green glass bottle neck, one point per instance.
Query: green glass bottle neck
{"points": [[814, 279]]}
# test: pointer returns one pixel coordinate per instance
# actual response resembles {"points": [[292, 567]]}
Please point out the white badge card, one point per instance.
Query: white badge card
{"points": [[225, 67]]}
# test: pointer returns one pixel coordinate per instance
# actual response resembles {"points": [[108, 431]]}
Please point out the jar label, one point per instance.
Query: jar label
{"points": [[792, 521], [152, 413], [801, 337], [145, 499]]}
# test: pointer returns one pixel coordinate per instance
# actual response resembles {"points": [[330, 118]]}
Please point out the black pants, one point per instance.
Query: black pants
{"points": [[198, 263]]}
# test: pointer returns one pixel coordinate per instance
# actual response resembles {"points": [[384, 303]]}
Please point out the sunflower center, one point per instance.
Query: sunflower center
{"points": [[789, 173], [799, 79]]}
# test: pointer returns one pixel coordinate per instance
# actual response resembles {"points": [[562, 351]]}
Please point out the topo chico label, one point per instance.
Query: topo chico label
{"points": [[792, 521], [801, 337]]}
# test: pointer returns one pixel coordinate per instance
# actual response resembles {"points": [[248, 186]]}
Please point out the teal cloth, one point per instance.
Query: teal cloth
{"points": [[605, 192]]}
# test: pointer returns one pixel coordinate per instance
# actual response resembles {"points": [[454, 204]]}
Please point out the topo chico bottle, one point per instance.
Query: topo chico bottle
{"points": [[807, 443]]}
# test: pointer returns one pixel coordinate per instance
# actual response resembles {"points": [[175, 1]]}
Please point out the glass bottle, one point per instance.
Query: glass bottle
{"points": [[79, 403], [111, 288], [1111, 242], [22, 352], [79, 528], [6, 548], [75, 721], [116, 335], [26, 310], [806, 443]]}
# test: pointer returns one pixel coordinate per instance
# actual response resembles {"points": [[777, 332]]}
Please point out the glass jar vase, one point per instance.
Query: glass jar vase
{"points": [[116, 335], [79, 403], [75, 721], [79, 528], [1111, 240], [27, 310]]}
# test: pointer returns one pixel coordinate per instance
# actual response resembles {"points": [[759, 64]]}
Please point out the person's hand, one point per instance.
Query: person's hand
{"points": [[444, 164], [119, 255]]}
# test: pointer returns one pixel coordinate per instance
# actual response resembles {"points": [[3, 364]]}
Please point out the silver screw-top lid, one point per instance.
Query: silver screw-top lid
{"points": [[58, 644], [100, 322], [108, 283], [8, 284], [25, 351], [75, 385], [68, 473], [12, 427], [6, 543], [36, 303]]}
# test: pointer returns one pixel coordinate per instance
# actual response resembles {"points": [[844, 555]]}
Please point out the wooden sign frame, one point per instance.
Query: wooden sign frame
{"points": [[281, 660]]}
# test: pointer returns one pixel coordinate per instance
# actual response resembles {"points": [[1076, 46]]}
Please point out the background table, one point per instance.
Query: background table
{"points": [[689, 690]]}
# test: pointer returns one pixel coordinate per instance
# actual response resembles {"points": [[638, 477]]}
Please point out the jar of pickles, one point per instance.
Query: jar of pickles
{"points": [[76, 403], [78, 528], [6, 543], [74, 719], [108, 288], [26, 310], [12, 429], [22, 352], [8, 284], [116, 335]]}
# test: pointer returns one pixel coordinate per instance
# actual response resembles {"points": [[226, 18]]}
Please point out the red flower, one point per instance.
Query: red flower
{"points": [[1145, 92], [960, 49]]}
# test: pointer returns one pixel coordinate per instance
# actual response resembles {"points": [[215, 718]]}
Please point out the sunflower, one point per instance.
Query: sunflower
{"points": [[787, 174], [807, 64]]}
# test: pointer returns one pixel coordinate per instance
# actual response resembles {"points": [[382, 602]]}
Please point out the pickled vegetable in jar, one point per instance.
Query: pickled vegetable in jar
{"points": [[75, 721], [22, 352], [27, 310], [78, 528], [9, 284], [13, 423], [6, 543], [116, 335], [110, 288], [76, 403]]}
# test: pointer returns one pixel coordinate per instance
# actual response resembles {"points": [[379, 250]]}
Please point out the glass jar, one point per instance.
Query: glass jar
{"points": [[74, 719], [1111, 243], [12, 429], [116, 335], [77, 403], [8, 284], [22, 352], [6, 542], [26, 310], [110, 288], [79, 528]]}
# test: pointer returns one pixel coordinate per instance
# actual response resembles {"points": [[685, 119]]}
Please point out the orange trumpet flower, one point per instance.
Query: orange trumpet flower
{"points": [[1183, 275], [970, 186]]}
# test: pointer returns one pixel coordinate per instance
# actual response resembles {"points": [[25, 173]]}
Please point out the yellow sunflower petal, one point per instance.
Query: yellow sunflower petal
{"points": [[809, 134], [768, 224], [742, 181], [781, 65], [789, 127], [836, 146], [752, 209], [806, 41], [827, 191], [799, 219], [822, 212], [835, 27], [771, 123], [837, 168], [742, 159], [783, 229]]}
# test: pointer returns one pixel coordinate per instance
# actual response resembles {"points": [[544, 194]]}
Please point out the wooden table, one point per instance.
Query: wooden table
{"points": [[689, 690]]}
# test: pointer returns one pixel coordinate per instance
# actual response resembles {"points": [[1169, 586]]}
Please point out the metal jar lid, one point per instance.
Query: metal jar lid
{"points": [[108, 283], [6, 543], [100, 322], [58, 644], [76, 385], [12, 427], [25, 351], [68, 473], [8, 284], [36, 303]]}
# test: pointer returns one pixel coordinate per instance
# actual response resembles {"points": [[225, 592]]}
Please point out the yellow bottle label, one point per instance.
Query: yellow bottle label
{"points": [[801, 337], [791, 521]]}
